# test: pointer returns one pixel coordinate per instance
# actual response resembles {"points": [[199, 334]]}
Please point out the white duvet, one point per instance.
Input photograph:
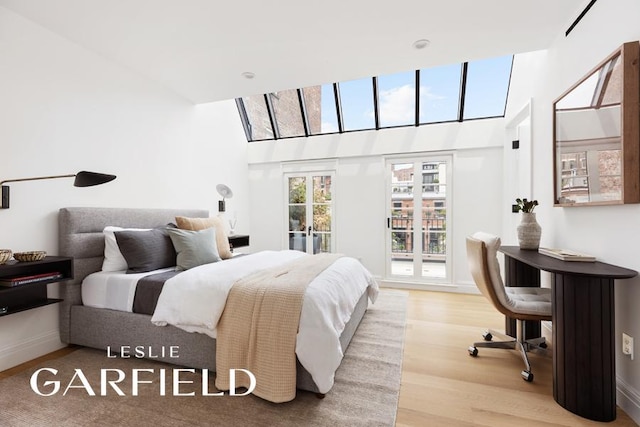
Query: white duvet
{"points": [[194, 301]]}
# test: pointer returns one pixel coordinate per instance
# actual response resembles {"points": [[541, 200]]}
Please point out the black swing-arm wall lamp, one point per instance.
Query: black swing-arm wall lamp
{"points": [[82, 179]]}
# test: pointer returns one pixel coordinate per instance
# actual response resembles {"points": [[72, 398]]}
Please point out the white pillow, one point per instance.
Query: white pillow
{"points": [[113, 259]]}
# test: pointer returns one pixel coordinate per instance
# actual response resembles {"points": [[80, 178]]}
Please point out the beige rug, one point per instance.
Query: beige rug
{"points": [[365, 391]]}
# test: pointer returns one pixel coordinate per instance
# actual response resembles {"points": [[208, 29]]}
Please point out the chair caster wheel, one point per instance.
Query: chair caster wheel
{"points": [[487, 336], [473, 351], [527, 376], [543, 345]]}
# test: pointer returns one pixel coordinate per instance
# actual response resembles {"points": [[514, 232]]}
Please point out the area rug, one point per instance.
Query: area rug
{"points": [[365, 391]]}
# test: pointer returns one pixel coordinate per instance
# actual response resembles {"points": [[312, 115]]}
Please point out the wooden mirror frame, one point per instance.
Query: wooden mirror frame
{"points": [[629, 54]]}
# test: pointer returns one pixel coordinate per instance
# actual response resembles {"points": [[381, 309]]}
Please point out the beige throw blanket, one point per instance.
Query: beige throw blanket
{"points": [[258, 328]]}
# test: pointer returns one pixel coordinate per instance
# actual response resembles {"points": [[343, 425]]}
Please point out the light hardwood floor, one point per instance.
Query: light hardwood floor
{"points": [[443, 386], [36, 362]]}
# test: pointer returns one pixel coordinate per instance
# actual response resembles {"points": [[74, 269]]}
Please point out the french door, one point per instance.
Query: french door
{"points": [[418, 200], [310, 221]]}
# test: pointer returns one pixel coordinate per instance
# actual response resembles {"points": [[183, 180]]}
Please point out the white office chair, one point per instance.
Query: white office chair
{"points": [[519, 303]]}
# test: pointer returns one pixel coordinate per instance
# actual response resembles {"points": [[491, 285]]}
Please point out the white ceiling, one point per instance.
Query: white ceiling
{"points": [[199, 48]]}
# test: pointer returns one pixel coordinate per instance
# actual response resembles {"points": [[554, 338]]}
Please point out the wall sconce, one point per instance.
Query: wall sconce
{"points": [[226, 193], [82, 179]]}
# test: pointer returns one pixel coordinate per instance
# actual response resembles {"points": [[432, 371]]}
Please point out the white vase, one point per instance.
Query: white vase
{"points": [[529, 232]]}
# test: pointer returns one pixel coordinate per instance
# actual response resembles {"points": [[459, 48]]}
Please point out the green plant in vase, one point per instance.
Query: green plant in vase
{"points": [[525, 205]]}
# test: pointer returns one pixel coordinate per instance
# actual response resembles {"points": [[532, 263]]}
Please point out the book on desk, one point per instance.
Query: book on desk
{"points": [[566, 255]]}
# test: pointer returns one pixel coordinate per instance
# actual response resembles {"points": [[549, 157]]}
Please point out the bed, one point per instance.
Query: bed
{"points": [[81, 237]]}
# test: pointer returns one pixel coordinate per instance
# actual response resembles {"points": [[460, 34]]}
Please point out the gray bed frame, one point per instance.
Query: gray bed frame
{"points": [[81, 237]]}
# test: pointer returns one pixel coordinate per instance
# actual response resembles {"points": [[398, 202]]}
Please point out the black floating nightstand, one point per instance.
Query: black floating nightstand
{"points": [[238, 240], [23, 285]]}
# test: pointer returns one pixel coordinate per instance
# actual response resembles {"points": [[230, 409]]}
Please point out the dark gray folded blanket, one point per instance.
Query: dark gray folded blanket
{"points": [[148, 291]]}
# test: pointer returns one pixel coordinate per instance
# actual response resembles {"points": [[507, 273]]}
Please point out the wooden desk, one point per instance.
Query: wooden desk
{"points": [[584, 371]]}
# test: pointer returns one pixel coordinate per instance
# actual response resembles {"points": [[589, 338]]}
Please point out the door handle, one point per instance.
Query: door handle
{"points": [[309, 231]]}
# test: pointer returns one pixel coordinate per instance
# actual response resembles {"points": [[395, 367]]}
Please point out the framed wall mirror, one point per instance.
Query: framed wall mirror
{"points": [[596, 145]]}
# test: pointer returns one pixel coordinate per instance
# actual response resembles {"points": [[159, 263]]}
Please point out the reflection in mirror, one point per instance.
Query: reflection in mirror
{"points": [[590, 142]]}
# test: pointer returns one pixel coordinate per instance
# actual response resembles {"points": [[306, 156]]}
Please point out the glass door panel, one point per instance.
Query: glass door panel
{"points": [[417, 233], [297, 212], [322, 217], [310, 213], [402, 208], [434, 219]]}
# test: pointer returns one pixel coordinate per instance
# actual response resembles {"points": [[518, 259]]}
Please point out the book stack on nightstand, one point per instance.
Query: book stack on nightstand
{"points": [[10, 282], [23, 285]]}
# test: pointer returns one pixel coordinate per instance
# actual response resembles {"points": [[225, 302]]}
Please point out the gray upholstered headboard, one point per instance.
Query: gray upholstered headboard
{"points": [[80, 236]]}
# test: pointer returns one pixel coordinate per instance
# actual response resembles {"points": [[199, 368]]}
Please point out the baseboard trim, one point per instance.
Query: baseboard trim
{"points": [[29, 349], [437, 287], [628, 399]]}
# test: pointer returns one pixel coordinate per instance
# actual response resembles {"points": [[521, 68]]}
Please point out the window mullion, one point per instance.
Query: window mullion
{"points": [[463, 89], [417, 123], [272, 116], [336, 94], [376, 106]]}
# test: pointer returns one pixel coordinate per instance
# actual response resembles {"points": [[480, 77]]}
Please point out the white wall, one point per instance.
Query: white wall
{"points": [[65, 109], [611, 233], [360, 193]]}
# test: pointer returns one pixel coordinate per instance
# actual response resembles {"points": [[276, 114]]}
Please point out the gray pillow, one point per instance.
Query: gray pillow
{"points": [[194, 248], [146, 250]]}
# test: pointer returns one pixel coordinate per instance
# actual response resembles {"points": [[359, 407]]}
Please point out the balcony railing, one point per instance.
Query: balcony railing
{"points": [[434, 234]]}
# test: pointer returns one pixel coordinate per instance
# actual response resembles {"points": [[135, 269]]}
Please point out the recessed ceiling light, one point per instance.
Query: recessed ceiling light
{"points": [[421, 44], [248, 75]]}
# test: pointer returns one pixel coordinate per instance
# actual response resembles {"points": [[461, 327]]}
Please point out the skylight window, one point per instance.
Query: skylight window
{"points": [[397, 99], [356, 97], [487, 87], [287, 113], [320, 105], [440, 93], [257, 123], [457, 92]]}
